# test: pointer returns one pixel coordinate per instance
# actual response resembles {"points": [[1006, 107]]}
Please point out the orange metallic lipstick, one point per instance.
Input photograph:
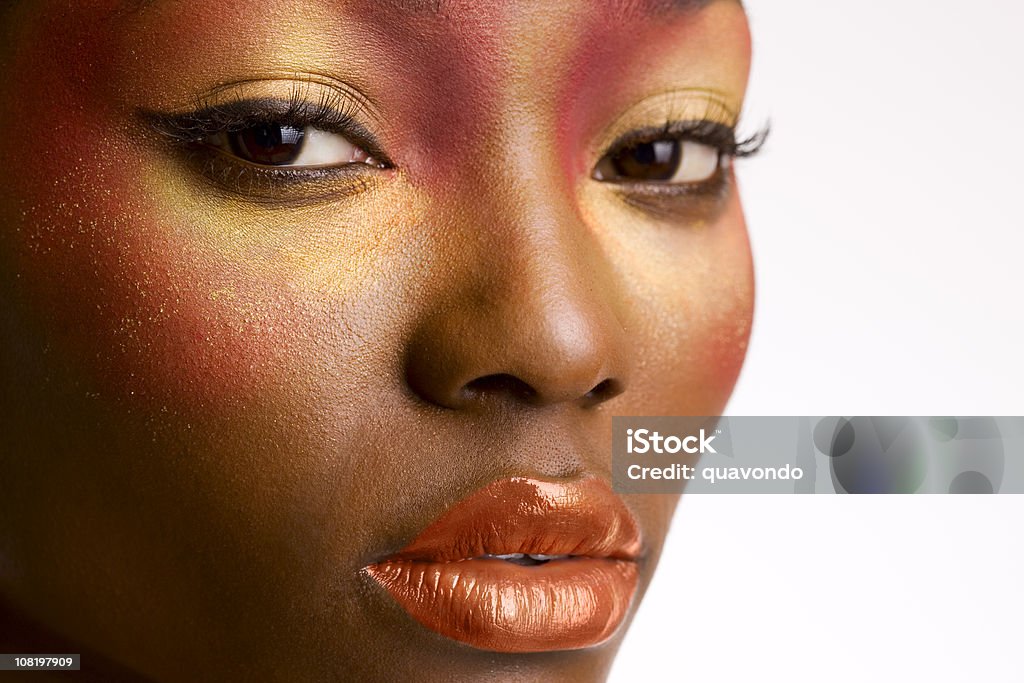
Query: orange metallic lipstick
{"points": [[521, 566]]}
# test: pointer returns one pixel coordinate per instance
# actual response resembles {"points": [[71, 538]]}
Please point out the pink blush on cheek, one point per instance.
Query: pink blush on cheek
{"points": [[145, 316], [144, 313]]}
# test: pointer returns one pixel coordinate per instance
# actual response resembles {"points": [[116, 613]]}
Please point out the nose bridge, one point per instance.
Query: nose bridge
{"points": [[542, 286], [531, 314]]}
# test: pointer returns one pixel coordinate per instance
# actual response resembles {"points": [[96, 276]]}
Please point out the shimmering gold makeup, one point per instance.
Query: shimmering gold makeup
{"points": [[248, 396]]}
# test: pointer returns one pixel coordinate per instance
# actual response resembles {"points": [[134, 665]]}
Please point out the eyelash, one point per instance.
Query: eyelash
{"points": [[334, 113], [705, 132]]}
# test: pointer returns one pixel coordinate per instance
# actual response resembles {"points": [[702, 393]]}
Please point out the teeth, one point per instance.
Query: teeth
{"points": [[519, 557]]}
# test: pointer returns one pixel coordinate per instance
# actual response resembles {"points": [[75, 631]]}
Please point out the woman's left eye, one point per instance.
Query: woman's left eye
{"points": [[276, 144], [666, 161]]}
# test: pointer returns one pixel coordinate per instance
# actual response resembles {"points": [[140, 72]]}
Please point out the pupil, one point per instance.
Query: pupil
{"points": [[657, 160], [268, 144]]}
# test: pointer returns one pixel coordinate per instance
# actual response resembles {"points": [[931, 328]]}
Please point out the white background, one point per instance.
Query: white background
{"points": [[887, 223]]}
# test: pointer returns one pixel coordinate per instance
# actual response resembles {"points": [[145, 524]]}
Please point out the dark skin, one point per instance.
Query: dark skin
{"points": [[226, 392]]}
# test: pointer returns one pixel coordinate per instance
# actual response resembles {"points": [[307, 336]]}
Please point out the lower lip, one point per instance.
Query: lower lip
{"points": [[499, 606]]}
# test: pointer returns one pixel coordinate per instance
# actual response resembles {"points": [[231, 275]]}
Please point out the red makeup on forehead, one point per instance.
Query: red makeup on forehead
{"points": [[448, 62]]}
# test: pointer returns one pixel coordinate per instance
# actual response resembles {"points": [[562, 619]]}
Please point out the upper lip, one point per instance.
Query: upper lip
{"points": [[581, 518]]}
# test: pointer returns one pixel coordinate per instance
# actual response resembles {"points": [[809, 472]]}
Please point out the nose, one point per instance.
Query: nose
{"points": [[527, 315]]}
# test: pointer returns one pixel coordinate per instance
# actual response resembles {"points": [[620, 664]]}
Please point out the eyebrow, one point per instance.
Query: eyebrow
{"points": [[621, 6], [440, 7]]}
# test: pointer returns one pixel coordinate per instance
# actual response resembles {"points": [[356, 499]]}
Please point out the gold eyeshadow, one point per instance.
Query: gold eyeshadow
{"points": [[685, 104]]}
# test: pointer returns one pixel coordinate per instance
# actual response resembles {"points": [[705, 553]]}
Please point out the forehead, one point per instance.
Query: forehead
{"points": [[441, 16], [412, 24], [398, 35], [422, 21]]}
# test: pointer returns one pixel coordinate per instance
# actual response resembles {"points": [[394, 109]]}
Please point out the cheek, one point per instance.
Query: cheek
{"points": [[712, 339], [727, 304], [724, 348], [691, 290], [124, 289]]}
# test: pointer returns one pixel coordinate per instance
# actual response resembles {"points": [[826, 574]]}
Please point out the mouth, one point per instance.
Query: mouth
{"points": [[521, 566]]}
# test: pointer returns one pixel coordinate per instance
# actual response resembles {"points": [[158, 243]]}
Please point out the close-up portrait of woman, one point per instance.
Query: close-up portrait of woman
{"points": [[319, 320], [316, 314]]}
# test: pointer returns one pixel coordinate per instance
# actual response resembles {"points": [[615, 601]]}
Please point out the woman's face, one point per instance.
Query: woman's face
{"points": [[286, 280]]}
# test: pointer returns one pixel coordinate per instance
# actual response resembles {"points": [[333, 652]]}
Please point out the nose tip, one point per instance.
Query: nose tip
{"points": [[559, 353]]}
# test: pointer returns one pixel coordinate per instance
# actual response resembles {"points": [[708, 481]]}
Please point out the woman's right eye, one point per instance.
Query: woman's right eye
{"points": [[284, 145]]}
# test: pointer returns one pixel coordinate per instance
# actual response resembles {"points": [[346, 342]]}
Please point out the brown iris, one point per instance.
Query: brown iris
{"points": [[655, 160], [269, 144]]}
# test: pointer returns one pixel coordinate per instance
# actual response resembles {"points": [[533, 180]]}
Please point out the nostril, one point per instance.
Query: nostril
{"points": [[500, 385], [510, 387], [604, 391]]}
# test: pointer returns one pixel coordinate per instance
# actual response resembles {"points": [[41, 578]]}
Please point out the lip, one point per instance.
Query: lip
{"points": [[449, 581]]}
